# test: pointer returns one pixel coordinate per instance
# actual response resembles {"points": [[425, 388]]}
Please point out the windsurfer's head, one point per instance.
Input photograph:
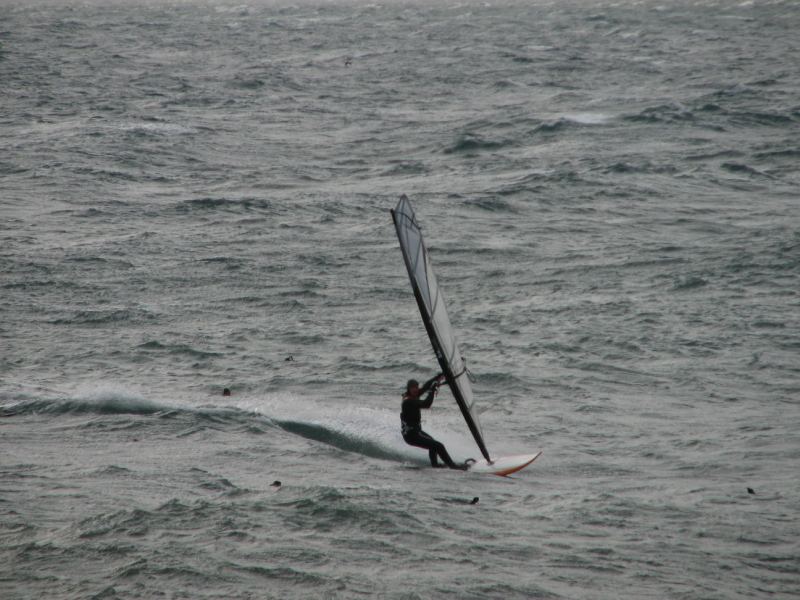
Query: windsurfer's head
{"points": [[412, 387]]}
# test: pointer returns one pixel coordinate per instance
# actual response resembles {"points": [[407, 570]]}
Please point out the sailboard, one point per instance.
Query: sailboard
{"points": [[433, 310]]}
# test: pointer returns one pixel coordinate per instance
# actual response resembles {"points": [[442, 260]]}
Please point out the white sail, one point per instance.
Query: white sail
{"points": [[434, 315]]}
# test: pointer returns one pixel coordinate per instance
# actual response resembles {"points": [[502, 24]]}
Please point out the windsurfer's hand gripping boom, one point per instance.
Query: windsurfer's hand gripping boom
{"points": [[433, 383]]}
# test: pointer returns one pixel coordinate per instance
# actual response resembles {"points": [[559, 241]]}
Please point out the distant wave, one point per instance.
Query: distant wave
{"points": [[743, 169], [588, 118], [710, 113], [103, 404], [716, 155], [791, 153], [570, 122], [492, 204], [103, 399], [472, 142], [248, 83], [405, 167], [225, 204], [151, 127], [690, 282], [177, 349], [663, 113], [535, 181], [104, 317]]}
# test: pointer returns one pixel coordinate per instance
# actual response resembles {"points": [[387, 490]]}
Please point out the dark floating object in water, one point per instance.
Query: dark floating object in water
{"points": [[276, 483], [226, 392], [289, 358], [750, 491], [474, 500]]}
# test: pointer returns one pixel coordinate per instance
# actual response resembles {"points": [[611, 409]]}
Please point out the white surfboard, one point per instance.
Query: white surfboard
{"points": [[503, 465]]}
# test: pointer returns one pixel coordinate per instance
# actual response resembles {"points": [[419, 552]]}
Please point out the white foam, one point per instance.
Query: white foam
{"points": [[588, 118]]}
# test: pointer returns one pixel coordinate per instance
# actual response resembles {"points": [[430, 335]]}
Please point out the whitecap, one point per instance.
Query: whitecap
{"points": [[588, 118]]}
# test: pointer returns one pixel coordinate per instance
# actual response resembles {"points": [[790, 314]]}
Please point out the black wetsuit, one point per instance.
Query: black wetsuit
{"points": [[411, 424]]}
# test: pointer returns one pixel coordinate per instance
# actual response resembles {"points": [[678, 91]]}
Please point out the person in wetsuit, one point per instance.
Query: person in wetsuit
{"points": [[411, 420]]}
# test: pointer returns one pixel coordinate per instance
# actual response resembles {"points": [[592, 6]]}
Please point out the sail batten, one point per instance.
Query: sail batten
{"points": [[434, 315]]}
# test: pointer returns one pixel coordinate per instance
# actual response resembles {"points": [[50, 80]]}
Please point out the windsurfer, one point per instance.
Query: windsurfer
{"points": [[411, 420]]}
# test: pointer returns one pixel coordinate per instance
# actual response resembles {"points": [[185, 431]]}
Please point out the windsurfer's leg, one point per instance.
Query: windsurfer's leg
{"points": [[445, 456], [437, 448], [420, 439]]}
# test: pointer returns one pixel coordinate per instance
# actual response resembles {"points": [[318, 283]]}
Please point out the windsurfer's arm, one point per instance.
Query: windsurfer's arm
{"points": [[428, 400], [433, 384], [433, 380]]}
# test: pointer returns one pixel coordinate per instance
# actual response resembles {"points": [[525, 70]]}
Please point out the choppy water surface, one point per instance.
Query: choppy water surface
{"points": [[195, 196]]}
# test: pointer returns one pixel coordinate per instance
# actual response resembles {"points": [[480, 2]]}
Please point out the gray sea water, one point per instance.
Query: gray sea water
{"points": [[194, 195]]}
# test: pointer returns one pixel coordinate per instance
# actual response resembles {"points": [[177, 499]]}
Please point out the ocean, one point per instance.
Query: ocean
{"points": [[195, 195]]}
